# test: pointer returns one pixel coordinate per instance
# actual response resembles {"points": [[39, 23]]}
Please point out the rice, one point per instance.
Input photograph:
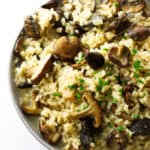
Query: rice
{"points": [[60, 91]]}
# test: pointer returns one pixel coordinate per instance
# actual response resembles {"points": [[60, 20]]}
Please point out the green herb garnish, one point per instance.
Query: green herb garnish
{"points": [[110, 125], [72, 87], [121, 92], [101, 84], [81, 80], [140, 81], [80, 59], [78, 96], [134, 52], [105, 49], [135, 116], [137, 65], [121, 128], [136, 75], [116, 4], [56, 94]]}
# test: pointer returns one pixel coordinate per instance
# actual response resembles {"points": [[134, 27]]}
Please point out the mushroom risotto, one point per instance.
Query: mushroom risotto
{"points": [[83, 67]]}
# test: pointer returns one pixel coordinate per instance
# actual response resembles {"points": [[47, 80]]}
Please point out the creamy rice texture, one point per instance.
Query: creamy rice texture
{"points": [[93, 91]]}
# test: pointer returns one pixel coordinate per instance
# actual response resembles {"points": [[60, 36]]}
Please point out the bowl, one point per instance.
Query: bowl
{"points": [[31, 122]]}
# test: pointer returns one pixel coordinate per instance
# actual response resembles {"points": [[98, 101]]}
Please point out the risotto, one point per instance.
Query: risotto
{"points": [[83, 67]]}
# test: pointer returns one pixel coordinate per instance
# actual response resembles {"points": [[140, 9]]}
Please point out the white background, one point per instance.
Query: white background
{"points": [[13, 134]]}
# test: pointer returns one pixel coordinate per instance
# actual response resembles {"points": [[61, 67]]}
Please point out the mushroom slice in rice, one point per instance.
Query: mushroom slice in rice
{"points": [[86, 133], [120, 24], [116, 140], [30, 106], [141, 127], [44, 66], [66, 48], [50, 4], [132, 7], [95, 60], [139, 33], [31, 27], [93, 110], [119, 56]]}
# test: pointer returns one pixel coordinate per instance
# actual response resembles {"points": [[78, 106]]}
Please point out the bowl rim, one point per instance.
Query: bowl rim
{"points": [[14, 100]]}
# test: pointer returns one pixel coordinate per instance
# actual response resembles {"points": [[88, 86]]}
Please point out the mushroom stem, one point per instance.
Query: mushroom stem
{"points": [[31, 108], [93, 110]]}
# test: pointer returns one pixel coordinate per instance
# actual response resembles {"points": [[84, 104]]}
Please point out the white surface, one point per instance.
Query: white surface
{"points": [[13, 134]]}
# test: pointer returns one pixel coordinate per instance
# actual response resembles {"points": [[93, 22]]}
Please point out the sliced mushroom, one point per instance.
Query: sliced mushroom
{"points": [[120, 24], [119, 56], [86, 133], [31, 27], [89, 4], [51, 134], [139, 33], [95, 60], [116, 140], [132, 7], [127, 91], [44, 66], [24, 85], [66, 48], [30, 107], [50, 4], [93, 110], [141, 127]]}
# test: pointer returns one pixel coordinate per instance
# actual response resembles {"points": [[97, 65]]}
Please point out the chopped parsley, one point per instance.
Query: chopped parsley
{"points": [[137, 65], [81, 80], [79, 59], [121, 92], [56, 94], [135, 116], [134, 52], [116, 4], [72, 87], [140, 81], [78, 96], [121, 128], [136, 75], [110, 125], [81, 88], [101, 84], [105, 49]]}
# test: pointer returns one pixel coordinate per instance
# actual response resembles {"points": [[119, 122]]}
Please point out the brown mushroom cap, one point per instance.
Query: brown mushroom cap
{"points": [[44, 66], [30, 107], [93, 110], [141, 127], [66, 48], [139, 33], [117, 140], [31, 27], [50, 134], [132, 7], [50, 4], [120, 24], [119, 56], [95, 60]]}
